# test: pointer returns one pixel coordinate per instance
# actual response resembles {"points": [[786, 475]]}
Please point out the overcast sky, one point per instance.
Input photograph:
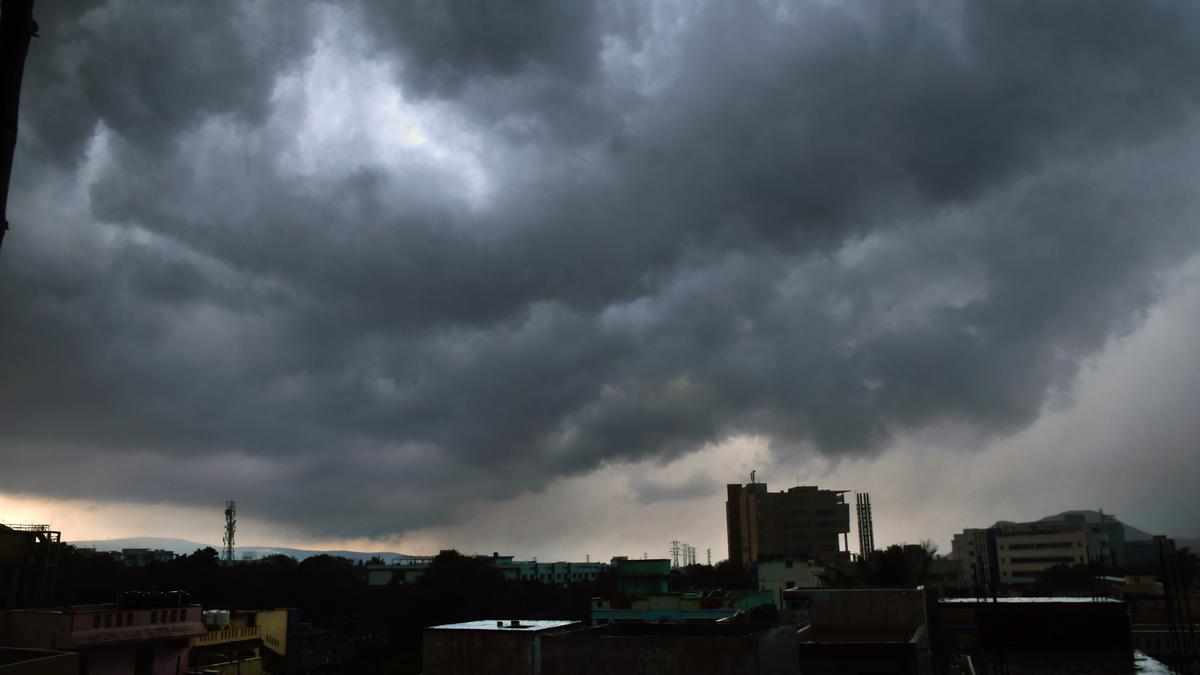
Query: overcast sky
{"points": [[543, 276]]}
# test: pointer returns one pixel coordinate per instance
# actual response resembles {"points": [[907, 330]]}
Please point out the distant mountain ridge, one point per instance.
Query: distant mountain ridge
{"points": [[185, 547], [1089, 516], [1131, 533]]}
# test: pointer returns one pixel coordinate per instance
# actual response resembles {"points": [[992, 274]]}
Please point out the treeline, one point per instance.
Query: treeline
{"points": [[332, 592]]}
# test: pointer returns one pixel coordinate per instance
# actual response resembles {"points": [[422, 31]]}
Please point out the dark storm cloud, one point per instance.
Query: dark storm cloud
{"points": [[648, 491], [151, 70], [822, 224]]}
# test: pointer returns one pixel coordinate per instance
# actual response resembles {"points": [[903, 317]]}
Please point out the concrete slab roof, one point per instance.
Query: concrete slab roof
{"points": [[514, 625]]}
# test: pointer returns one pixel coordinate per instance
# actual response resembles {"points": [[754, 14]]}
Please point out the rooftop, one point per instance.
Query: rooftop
{"points": [[1032, 599], [523, 625]]}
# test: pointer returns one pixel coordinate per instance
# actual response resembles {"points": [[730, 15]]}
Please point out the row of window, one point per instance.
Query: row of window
{"points": [[561, 576], [1042, 545], [1044, 559], [119, 619]]}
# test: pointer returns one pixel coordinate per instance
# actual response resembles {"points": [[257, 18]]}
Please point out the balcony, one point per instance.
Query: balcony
{"points": [[227, 635]]}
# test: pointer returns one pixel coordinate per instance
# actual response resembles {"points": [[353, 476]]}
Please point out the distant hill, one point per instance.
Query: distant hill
{"points": [[1132, 533], [1192, 543], [185, 547]]}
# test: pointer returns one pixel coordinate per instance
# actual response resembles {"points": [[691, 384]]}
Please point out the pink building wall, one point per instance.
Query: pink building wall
{"points": [[155, 639]]}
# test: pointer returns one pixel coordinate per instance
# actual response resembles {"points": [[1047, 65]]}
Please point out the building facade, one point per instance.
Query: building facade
{"points": [[777, 576], [803, 522], [1010, 554], [642, 576], [247, 642], [141, 557], [151, 639]]}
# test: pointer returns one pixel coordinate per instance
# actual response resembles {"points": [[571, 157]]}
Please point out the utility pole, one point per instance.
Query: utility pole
{"points": [[16, 28]]}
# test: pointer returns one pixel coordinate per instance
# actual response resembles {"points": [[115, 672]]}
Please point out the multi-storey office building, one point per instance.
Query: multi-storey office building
{"points": [[803, 523], [1015, 553]]}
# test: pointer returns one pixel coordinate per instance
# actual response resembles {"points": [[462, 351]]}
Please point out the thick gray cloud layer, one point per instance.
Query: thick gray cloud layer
{"points": [[823, 224]]}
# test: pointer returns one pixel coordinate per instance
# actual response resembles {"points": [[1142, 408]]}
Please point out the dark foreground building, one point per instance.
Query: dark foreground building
{"points": [[568, 648], [861, 630], [1047, 635], [37, 662]]}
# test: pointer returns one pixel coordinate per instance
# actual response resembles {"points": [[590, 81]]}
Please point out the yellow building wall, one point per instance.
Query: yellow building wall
{"points": [[273, 623]]}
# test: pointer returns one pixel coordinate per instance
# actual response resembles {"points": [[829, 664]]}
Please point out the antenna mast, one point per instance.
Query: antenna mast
{"points": [[230, 528]]}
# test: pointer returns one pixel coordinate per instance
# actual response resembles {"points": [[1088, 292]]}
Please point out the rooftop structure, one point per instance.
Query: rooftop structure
{"points": [[523, 625], [511, 646], [866, 526], [28, 565]]}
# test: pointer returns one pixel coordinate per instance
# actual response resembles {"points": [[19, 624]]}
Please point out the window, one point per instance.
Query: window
{"points": [[108, 620], [118, 619], [129, 618], [95, 621], [183, 615], [173, 615], [154, 616]]}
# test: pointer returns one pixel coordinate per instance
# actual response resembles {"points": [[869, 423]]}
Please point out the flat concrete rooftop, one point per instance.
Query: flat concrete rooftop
{"points": [[520, 625], [1030, 600]]}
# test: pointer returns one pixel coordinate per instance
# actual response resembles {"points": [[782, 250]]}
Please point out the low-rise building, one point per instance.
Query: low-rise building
{"points": [[644, 576], [561, 573], [408, 570], [776, 576], [398, 572], [508, 646], [682, 607], [948, 576], [246, 642], [141, 557], [150, 638]]}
